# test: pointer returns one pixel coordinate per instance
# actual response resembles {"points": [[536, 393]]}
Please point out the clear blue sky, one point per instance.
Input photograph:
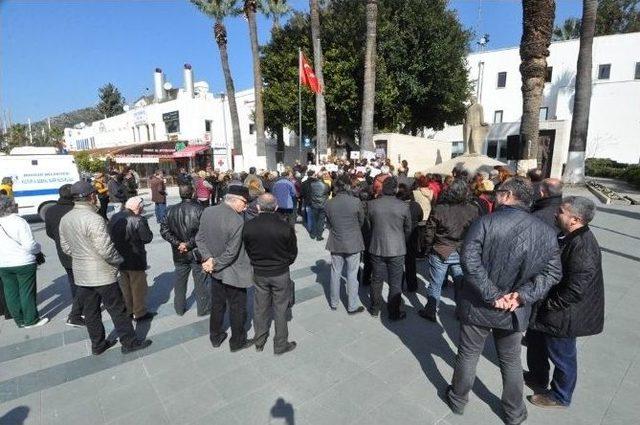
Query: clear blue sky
{"points": [[55, 54]]}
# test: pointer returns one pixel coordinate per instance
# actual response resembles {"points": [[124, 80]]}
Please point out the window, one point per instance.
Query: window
{"points": [[492, 148], [502, 79], [172, 121], [544, 113], [252, 128], [503, 149], [604, 71], [548, 74], [207, 125], [497, 117], [637, 76], [457, 148]]}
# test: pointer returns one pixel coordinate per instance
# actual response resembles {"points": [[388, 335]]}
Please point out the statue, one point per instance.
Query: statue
{"points": [[474, 129]]}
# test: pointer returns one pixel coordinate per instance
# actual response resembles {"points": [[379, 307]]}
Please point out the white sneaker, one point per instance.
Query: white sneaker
{"points": [[39, 323]]}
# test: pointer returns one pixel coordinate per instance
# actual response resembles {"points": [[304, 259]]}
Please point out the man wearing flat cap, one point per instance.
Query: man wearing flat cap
{"points": [[219, 241], [95, 261]]}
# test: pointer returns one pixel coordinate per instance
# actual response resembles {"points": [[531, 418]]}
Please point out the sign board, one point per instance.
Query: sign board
{"points": [[368, 155], [220, 162], [331, 167], [354, 155], [171, 116], [381, 153], [140, 117]]}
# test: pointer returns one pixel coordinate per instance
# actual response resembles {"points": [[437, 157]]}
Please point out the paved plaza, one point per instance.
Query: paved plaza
{"points": [[346, 369]]}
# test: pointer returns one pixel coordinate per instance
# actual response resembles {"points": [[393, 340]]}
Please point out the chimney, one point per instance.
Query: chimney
{"points": [[158, 83], [188, 80]]}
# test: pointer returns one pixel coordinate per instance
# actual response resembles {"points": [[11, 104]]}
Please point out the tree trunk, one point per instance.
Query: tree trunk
{"points": [[366, 129], [321, 111], [537, 28], [220, 33], [257, 81], [574, 171]]}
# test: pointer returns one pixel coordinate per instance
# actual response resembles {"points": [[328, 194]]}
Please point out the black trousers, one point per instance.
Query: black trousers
{"points": [[272, 295], [410, 270], [104, 203], [236, 298], [110, 295], [389, 269], [76, 306], [318, 222], [367, 270]]}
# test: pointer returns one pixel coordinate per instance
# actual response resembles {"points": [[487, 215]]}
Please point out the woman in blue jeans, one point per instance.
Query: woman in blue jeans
{"points": [[446, 229]]}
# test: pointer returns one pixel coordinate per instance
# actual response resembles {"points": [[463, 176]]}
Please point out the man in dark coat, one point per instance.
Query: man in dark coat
{"points": [[510, 260], [219, 241], [179, 228], [573, 308], [345, 217], [52, 225], [158, 194], [546, 205], [271, 245], [318, 193], [390, 229], [130, 232]]}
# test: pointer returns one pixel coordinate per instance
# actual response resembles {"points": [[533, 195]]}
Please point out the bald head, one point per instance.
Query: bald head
{"points": [[550, 187], [267, 203]]}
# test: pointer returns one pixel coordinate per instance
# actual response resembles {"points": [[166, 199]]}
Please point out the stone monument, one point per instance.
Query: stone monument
{"points": [[474, 129]]}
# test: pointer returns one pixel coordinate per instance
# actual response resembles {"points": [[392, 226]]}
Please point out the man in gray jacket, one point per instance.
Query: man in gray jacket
{"points": [[390, 228], [219, 241], [95, 261], [345, 217]]}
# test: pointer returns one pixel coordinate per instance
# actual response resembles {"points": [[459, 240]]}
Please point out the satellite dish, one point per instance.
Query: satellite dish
{"points": [[167, 86], [126, 108]]}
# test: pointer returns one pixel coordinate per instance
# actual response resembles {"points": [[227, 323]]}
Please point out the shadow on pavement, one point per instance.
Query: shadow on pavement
{"points": [[59, 295], [16, 416], [283, 410]]}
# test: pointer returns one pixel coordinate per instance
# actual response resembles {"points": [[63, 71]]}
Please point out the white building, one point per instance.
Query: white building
{"points": [[614, 121], [190, 114]]}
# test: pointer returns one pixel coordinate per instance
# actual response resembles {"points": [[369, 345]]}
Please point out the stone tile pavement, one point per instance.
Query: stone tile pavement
{"points": [[346, 370]]}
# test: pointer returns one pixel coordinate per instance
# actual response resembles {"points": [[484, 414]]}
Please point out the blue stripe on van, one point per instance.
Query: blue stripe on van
{"points": [[35, 192]]}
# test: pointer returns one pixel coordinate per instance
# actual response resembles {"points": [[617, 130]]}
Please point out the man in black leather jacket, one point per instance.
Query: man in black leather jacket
{"points": [[573, 308], [546, 205], [510, 260], [179, 228], [130, 232]]}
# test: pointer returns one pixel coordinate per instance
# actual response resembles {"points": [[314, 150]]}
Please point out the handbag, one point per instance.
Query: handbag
{"points": [[40, 258]]}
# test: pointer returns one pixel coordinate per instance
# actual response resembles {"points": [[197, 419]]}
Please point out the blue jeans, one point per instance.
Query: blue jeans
{"points": [[161, 211], [563, 354], [309, 221], [438, 272]]}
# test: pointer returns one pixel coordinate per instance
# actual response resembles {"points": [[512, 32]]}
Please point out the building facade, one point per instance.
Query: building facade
{"points": [[189, 115], [614, 120]]}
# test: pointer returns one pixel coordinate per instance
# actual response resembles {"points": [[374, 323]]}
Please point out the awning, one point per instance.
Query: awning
{"points": [[191, 151], [136, 160]]}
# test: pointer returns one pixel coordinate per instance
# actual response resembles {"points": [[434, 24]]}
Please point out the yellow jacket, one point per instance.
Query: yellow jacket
{"points": [[7, 188], [100, 187]]}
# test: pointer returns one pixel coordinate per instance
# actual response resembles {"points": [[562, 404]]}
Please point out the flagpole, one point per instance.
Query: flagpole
{"points": [[300, 102]]}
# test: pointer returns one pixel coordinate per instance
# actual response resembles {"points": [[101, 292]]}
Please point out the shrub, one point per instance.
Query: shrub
{"points": [[604, 167]]}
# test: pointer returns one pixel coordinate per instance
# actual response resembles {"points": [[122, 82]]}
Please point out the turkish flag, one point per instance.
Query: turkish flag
{"points": [[307, 76]]}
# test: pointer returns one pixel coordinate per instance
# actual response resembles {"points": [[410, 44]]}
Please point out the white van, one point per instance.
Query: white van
{"points": [[37, 175]]}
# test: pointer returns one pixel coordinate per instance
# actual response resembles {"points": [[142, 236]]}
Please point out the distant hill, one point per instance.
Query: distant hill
{"points": [[69, 119]]}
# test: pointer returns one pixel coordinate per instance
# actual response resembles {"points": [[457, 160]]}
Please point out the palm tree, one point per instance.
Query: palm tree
{"points": [[537, 26], [275, 10], [219, 10], [366, 128], [250, 9], [569, 30], [321, 111], [574, 171]]}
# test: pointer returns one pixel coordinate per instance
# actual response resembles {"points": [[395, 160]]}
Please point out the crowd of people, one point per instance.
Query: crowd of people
{"points": [[520, 257]]}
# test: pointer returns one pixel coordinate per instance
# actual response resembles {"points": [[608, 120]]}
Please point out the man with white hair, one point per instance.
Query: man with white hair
{"points": [[219, 241], [130, 232]]}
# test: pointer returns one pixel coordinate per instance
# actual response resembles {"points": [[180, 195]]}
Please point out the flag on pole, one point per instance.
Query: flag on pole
{"points": [[307, 76]]}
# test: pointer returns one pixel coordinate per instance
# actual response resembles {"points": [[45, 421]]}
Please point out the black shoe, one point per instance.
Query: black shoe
{"points": [[455, 409], [218, 342], [260, 348], [75, 322], [107, 344], [289, 347], [356, 311], [320, 238], [400, 316], [374, 312], [248, 343], [206, 313], [138, 344], [427, 315], [333, 308], [147, 316], [530, 382]]}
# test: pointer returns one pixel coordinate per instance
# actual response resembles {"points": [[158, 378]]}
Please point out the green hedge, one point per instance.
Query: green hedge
{"points": [[601, 167]]}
